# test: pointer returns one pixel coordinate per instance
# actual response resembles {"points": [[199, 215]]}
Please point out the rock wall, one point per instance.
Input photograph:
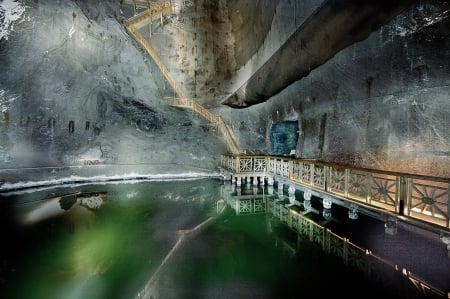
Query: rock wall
{"points": [[382, 103], [76, 90], [76, 87]]}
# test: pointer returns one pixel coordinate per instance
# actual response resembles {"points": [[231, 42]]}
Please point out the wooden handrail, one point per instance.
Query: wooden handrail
{"points": [[415, 196], [215, 119], [183, 100], [152, 13]]}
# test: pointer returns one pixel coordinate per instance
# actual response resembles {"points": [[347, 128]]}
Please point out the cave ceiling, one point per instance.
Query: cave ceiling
{"points": [[224, 53], [335, 25]]}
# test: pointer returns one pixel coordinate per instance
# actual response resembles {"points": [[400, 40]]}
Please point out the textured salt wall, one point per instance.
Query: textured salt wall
{"points": [[75, 89]]}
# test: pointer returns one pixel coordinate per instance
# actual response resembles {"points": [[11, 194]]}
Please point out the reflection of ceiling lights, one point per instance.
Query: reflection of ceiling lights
{"points": [[307, 205]]}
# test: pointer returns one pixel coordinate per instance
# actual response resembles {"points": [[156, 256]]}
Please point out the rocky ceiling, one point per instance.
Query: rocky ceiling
{"points": [[335, 25], [239, 54]]}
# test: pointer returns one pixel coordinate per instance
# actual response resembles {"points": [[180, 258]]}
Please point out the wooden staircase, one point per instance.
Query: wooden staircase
{"points": [[156, 12]]}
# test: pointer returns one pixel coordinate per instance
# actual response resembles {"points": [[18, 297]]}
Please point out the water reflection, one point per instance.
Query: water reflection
{"points": [[57, 206], [108, 241], [99, 241]]}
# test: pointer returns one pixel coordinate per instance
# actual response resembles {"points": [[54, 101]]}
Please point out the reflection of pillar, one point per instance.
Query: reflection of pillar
{"points": [[262, 180], [390, 227], [238, 190], [270, 181], [270, 190], [353, 212], [291, 192], [233, 188], [238, 181], [307, 200], [307, 195], [307, 205], [326, 213], [255, 180], [247, 181], [280, 189], [446, 240]]}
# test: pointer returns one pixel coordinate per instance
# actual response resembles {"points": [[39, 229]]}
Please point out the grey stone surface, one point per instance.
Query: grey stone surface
{"points": [[76, 90], [381, 102]]}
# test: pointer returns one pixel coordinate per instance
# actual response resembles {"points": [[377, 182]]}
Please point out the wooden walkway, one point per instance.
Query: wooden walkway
{"points": [[422, 200]]}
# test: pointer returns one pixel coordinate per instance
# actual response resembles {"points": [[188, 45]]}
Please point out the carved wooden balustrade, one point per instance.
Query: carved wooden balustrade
{"points": [[418, 197]]}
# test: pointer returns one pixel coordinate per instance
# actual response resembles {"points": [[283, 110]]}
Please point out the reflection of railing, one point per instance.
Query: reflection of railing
{"points": [[246, 204], [351, 254], [420, 197]]}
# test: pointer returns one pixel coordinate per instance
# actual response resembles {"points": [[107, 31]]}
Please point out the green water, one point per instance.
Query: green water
{"points": [[101, 252], [238, 257], [54, 247]]}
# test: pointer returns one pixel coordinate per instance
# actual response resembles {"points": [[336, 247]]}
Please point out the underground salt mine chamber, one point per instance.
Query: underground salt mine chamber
{"points": [[201, 149]]}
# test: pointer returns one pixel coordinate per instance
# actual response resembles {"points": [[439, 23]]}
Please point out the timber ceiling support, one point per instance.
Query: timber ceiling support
{"points": [[334, 26]]}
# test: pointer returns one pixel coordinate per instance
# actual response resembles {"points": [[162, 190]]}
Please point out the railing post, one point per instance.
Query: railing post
{"points": [[346, 181], [369, 188], [402, 195], [327, 178], [291, 169]]}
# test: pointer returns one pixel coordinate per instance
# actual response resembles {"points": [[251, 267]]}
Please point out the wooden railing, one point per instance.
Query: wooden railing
{"points": [[182, 100], [214, 119], [146, 45], [420, 197], [154, 12]]}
